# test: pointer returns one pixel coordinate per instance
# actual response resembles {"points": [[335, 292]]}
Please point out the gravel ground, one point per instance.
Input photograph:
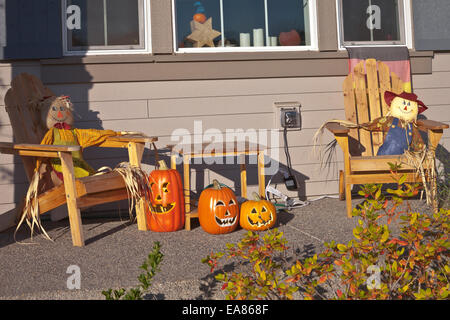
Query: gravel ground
{"points": [[115, 249]]}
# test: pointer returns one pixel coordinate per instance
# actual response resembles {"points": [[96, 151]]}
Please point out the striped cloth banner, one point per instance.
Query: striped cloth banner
{"points": [[396, 58]]}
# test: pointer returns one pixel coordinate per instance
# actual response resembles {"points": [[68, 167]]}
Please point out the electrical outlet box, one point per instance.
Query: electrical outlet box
{"points": [[288, 115], [290, 118]]}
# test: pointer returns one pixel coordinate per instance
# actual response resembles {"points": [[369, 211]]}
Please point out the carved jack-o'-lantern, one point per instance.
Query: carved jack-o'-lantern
{"points": [[218, 210], [166, 212], [258, 214]]}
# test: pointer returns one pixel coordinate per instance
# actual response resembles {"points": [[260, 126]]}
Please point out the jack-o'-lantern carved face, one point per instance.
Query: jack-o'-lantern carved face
{"points": [[258, 214], [56, 110], [162, 200], [218, 210], [225, 214], [166, 212]]}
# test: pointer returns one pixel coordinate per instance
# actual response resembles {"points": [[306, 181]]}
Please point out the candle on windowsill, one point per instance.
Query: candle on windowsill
{"points": [[244, 39], [258, 37], [273, 41]]}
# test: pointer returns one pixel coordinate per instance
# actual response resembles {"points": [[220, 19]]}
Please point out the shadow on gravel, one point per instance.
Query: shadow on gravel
{"points": [[58, 230]]}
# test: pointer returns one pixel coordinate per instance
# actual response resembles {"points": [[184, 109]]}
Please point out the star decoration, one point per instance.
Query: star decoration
{"points": [[203, 34]]}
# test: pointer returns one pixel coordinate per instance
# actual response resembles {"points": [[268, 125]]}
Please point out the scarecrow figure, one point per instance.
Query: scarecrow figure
{"points": [[400, 124], [57, 115]]}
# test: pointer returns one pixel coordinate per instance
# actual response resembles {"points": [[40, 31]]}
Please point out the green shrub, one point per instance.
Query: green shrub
{"points": [[373, 265]]}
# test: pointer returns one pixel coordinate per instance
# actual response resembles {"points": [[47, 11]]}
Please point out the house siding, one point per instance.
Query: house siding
{"points": [[160, 107]]}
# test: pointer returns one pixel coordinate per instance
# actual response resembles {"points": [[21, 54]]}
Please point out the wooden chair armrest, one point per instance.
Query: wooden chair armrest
{"points": [[123, 141], [9, 146], [336, 128], [431, 125], [132, 138]]}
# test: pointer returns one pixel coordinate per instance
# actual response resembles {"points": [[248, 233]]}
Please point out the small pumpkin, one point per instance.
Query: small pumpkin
{"points": [[166, 212], [199, 17], [218, 209], [258, 214]]}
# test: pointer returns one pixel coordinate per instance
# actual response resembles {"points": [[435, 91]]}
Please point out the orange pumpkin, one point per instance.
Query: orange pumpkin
{"points": [[166, 212], [258, 214], [199, 17], [218, 210]]}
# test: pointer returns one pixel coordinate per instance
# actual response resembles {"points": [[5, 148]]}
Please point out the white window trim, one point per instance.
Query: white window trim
{"points": [[407, 20], [147, 37], [313, 36]]}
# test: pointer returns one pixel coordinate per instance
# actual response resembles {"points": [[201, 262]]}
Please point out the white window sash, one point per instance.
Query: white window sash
{"points": [[405, 18], [146, 37], [312, 17]]}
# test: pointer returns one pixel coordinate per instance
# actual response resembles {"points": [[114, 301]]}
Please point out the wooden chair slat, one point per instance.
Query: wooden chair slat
{"points": [[363, 108], [385, 84], [397, 84], [350, 104], [374, 100]]}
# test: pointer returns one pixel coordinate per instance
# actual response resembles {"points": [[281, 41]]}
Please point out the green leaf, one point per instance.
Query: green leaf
{"points": [[385, 236], [402, 179]]}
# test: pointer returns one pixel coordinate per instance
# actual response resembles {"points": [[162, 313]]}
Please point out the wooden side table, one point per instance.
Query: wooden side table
{"points": [[207, 150]]}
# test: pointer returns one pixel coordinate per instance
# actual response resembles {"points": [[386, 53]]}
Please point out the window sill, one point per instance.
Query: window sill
{"points": [[213, 56], [206, 66]]}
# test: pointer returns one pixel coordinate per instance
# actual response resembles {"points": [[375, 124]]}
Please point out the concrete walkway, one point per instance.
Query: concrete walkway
{"points": [[115, 249]]}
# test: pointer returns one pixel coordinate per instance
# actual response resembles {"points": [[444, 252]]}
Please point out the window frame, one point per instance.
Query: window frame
{"points": [[145, 28], [314, 46], [405, 24]]}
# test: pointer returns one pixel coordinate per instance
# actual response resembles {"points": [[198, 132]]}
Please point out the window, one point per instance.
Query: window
{"points": [[105, 26], [244, 25], [372, 22]]}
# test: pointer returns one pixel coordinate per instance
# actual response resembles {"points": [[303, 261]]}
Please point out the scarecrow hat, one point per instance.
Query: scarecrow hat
{"points": [[389, 96]]}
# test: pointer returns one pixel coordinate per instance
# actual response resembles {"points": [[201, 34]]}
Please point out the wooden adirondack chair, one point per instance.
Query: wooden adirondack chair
{"points": [[77, 193], [364, 101]]}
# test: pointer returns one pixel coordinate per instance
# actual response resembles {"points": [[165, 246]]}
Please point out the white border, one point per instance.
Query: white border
{"points": [[407, 17], [147, 36], [312, 47]]}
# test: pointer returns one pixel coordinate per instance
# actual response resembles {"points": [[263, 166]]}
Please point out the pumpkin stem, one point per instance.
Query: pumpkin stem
{"points": [[256, 196], [162, 165], [216, 185]]}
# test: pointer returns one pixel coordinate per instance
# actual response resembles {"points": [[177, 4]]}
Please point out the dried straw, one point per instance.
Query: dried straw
{"points": [[137, 184], [420, 160], [326, 153], [30, 212]]}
